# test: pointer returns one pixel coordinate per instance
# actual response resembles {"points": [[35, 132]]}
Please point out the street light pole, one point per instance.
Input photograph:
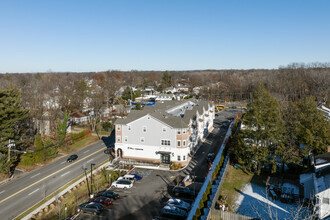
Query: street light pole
{"points": [[92, 195], [89, 193]]}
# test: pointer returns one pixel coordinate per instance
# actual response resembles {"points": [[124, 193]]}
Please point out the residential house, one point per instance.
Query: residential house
{"points": [[80, 118], [316, 185], [165, 132], [165, 97]]}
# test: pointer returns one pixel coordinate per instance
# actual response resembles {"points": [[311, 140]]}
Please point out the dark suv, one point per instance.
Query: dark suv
{"points": [[184, 192], [92, 207], [72, 158]]}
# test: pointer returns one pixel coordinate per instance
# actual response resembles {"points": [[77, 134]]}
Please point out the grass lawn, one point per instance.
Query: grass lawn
{"points": [[107, 133], [80, 144], [235, 180]]}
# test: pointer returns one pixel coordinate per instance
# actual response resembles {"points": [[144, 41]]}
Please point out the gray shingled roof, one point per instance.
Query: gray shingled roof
{"points": [[158, 111]]}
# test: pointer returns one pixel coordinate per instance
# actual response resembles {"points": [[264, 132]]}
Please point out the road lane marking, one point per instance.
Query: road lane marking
{"points": [[65, 173], [89, 160], [2, 191], [86, 151], [35, 175], [49, 176], [33, 192]]}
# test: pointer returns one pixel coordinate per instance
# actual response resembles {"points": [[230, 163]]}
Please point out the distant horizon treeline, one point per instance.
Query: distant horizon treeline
{"points": [[287, 83]]}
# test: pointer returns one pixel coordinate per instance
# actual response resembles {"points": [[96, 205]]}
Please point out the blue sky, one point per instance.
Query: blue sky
{"points": [[78, 35]]}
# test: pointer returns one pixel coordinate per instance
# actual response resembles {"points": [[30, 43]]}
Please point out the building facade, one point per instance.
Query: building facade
{"points": [[164, 133]]}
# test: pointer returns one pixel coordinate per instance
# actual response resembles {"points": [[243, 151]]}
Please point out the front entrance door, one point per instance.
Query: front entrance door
{"points": [[165, 158]]}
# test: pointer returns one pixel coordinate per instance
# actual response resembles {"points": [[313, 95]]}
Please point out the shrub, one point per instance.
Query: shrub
{"points": [[27, 159]]}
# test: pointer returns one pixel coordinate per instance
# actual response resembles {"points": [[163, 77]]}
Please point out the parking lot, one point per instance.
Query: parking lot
{"points": [[148, 196]]}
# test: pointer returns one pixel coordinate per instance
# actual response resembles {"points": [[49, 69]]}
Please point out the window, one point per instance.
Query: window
{"points": [[144, 128], [142, 139], [125, 139], [118, 127], [148, 117], [184, 131], [129, 127], [164, 129], [184, 143], [118, 139], [326, 201], [179, 131], [179, 158], [179, 143], [184, 157], [165, 142]]}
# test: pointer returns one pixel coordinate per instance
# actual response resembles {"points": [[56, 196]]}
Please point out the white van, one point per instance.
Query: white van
{"points": [[128, 177]]}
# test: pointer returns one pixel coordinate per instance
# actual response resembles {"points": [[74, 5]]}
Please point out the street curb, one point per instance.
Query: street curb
{"points": [[27, 217]]}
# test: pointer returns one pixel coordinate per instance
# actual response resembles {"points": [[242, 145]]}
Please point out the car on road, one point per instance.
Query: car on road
{"points": [[103, 200], [72, 158], [183, 191], [109, 194], [123, 184], [185, 206], [91, 207], [173, 212]]}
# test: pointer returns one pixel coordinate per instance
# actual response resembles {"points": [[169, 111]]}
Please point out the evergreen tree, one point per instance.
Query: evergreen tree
{"points": [[61, 128], [311, 127], [264, 127], [128, 94], [11, 114], [39, 149], [167, 79]]}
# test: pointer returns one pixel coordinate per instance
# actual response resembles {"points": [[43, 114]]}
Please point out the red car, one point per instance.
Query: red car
{"points": [[103, 200]]}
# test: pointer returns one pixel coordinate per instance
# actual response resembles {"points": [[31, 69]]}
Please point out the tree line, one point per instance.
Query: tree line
{"points": [[280, 133]]}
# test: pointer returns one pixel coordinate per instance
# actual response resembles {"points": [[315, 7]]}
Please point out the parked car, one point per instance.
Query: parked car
{"points": [[103, 200], [91, 207], [137, 177], [124, 184], [110, 149], [72, 158], [109, 194], [183, 191], [128, 177], [210, 157], [173, 212], [179, 203]]}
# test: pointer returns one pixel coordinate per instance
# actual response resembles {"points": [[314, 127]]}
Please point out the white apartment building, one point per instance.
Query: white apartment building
{"points": [[164, 133]]}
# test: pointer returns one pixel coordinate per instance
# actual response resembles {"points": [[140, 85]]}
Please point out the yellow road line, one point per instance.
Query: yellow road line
{"points": [[49, 176]]}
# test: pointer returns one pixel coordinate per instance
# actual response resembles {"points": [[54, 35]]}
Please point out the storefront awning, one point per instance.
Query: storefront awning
{"points": [[163, 152]]}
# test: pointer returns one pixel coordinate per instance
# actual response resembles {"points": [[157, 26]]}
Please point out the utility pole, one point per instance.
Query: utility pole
{"points": [[92, 195], [11, 143]]}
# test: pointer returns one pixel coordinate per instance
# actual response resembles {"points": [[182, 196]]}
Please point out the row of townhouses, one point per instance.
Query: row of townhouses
{"points": [[165, 132]]}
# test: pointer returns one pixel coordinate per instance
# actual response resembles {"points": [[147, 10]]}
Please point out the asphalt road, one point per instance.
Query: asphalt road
{"points": [[149, 195], [22, 193]]}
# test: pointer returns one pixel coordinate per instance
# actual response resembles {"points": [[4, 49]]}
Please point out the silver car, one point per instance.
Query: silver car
{"points": [[179, 203]]}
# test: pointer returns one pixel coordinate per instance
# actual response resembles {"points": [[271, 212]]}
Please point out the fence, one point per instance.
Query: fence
{"points": [[221, 215], [225, 165]]}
